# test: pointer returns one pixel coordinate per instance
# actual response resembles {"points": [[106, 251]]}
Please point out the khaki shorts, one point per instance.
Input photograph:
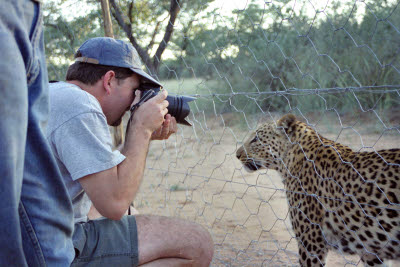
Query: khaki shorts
{"points": [[104, 242]]}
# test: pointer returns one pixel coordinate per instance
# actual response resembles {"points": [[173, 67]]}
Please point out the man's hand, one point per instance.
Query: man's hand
{"points": [[168, 128], [149, 117]]}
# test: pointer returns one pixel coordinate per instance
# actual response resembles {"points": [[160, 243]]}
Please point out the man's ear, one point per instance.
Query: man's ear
{"points": [[108, 79], [287, 122]]}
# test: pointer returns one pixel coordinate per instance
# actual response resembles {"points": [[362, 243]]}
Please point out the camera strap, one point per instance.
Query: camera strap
{"points": [[146, 96]]}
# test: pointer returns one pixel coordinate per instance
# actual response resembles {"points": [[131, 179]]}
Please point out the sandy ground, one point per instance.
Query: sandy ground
{"points": [[195, 175]]}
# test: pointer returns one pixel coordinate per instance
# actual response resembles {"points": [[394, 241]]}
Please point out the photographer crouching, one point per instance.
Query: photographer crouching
{"points": [[104, 82]]}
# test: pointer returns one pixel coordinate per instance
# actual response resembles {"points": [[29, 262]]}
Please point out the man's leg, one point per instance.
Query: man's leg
{"points": [[13, 126], [142, 240], [171, 262], [45, 208], [35, 211], [166, 241]]}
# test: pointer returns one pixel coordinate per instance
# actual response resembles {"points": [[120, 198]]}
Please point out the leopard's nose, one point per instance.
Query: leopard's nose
{"points": [[239, 152]]}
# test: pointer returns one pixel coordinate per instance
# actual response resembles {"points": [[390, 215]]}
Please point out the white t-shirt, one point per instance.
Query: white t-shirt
{"points": [[79, 136]]}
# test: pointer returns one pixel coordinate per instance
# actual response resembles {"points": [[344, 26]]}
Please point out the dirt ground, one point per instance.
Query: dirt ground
{"points": [[195, 175]]}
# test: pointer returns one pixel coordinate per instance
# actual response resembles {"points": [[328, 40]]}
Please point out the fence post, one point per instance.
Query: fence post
{"points": [[118, 131], [105, 7]]}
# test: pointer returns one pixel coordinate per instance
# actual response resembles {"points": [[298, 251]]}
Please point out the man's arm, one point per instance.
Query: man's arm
{"points": [[168, 128], [112, 190]]}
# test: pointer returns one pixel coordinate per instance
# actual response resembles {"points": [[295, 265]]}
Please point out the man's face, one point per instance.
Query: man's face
{"points": [[122, 98]]}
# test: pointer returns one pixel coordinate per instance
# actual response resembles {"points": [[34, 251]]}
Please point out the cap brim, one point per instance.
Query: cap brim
{"points": [[146, 77]]}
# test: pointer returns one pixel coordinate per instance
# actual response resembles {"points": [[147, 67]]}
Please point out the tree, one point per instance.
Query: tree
{"points": [[148, 26], [63, 34], [135, 19]]}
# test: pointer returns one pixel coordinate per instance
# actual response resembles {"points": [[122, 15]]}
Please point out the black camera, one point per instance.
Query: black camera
{"points": [[178, 104]]}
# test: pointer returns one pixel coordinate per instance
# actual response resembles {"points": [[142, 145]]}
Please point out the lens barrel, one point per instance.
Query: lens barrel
{"points": [[179, 108], [178, 105]]}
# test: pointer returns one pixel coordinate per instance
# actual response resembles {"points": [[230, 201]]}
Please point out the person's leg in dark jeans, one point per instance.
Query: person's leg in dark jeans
{"points": [[36, 220]]}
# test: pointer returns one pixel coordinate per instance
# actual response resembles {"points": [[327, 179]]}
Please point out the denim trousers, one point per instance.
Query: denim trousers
{"points": [[36, 217]]}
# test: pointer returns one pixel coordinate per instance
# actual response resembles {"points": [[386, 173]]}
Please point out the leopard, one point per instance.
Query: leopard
{"points": [[338, 199]]}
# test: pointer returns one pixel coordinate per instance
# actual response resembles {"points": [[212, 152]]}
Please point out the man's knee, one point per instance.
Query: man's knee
{"points": [[168, 237], [206, 243]]}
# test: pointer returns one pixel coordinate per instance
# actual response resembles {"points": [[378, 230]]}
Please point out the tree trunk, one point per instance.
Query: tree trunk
{"points": [[152, 64]]}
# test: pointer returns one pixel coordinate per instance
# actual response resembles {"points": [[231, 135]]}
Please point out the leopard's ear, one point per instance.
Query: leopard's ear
{"points": [[287, 122]]}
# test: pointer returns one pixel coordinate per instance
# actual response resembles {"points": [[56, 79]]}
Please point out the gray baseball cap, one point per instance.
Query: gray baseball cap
{"points": [[112, 52]]}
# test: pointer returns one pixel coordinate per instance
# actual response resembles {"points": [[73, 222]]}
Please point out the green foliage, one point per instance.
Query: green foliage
{"points": [[248, 62], [280, 50], [66, 31], [62, 37]]}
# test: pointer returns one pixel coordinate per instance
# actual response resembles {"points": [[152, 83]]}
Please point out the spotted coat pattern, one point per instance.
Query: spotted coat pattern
{"points": [[338, 198]]}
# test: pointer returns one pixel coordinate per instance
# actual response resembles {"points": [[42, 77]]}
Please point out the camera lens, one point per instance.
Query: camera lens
{"points": [[179, 108]]}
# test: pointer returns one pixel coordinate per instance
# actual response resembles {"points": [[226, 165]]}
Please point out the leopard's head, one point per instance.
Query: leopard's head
{"points": [[266, 147]]}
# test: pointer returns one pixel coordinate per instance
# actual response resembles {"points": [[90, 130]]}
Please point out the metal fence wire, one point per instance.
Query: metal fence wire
{"points": [[333, 64]]}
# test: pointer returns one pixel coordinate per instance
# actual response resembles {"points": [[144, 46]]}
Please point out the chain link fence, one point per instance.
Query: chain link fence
{"points": [[334, 64]]}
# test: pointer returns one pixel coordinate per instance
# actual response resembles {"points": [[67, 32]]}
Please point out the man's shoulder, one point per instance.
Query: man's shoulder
{"points": [[68, 101], [70, 93]]}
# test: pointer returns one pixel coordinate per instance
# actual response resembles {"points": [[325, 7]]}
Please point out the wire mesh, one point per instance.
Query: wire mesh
{"points": [[334, 64]]}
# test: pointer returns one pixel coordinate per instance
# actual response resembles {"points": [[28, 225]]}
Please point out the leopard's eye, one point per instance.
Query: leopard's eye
{"points": [[255, 139]]}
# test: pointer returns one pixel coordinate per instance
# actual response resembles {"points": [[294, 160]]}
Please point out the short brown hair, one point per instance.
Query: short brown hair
{"points": [[88, 73]]}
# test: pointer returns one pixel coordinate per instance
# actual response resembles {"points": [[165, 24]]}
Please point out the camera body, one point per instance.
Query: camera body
{"points": [[178, 105]]}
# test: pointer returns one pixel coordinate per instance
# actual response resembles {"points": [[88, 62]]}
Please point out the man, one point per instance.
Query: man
{"points": [[36, 219], [100, 87]]}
